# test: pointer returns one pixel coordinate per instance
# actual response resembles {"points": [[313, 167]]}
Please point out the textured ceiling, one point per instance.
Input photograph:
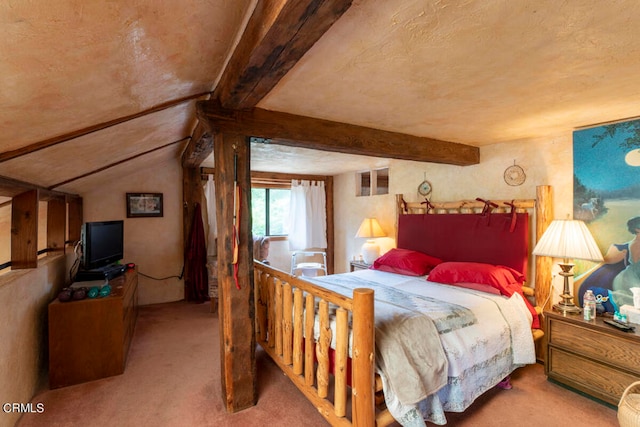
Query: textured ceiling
{"points": [[475, 72], [69, 66]]}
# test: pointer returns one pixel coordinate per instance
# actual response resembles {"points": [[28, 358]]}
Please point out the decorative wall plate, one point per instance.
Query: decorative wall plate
{"points": [[514, 175]]}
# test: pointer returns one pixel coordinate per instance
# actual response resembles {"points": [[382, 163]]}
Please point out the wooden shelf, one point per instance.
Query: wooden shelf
{"points": [[90, 339]]}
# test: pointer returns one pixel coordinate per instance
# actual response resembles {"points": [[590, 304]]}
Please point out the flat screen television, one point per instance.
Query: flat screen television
{"points": [[102, 243]]}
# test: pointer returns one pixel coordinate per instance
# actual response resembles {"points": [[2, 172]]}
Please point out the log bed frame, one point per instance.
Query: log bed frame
{"points": [[325, 376]]}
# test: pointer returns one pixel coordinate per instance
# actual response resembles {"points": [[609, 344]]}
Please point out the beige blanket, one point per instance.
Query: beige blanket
{"points": [[414, 368]]}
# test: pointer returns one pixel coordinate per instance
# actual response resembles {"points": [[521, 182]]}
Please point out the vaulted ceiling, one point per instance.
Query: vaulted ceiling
{"points": [[91, 90]]}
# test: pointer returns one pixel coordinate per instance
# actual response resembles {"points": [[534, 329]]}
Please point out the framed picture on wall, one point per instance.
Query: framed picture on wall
{"points": [[140, 205], [606, 196]]}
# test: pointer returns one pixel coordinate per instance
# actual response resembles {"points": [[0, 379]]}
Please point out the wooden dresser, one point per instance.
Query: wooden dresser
{"points": [[591, 357], [90, 339]]}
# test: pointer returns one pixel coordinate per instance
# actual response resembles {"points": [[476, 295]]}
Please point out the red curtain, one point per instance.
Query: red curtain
{"points": [[196, 279]]}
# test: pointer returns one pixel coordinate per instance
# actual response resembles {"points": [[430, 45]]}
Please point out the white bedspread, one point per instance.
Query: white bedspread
{"points": [[484, 337]]}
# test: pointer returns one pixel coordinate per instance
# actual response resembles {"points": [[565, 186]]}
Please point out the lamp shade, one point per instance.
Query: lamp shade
{"points": [[568, 239], [370, 228]]}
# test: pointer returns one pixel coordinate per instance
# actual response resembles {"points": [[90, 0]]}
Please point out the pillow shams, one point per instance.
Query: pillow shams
{"points": [[405, 261], [505, 279]]}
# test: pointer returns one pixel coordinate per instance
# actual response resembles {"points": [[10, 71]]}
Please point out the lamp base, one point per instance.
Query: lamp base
{"points": [[370, 251], [566, 305]]}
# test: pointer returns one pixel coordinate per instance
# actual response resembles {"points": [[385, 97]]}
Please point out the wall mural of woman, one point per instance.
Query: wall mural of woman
{"points": [[606, 195]]}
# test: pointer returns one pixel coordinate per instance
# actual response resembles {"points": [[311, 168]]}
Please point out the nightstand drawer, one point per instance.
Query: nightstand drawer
{"points": [[596, 344], [599, 380]]}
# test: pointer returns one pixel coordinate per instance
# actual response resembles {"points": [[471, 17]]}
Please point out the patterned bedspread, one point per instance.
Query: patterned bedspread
{"points": [[483, 338]]}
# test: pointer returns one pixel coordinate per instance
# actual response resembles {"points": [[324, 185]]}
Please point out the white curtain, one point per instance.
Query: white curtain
{"points": [[307, 215], [210, 196]]}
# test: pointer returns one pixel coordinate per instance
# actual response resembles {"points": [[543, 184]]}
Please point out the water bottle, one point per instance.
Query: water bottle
{"points": [[589, 305]]}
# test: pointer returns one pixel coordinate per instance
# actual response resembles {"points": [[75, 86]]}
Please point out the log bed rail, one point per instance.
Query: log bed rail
{"points": [[283, 338]]}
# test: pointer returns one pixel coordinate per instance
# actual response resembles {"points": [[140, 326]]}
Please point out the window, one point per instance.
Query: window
{"points": [[270, 211], [363, 183], [382, 180], [371, 183]]}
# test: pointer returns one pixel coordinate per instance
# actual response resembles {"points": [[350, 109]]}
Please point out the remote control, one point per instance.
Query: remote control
{"points": [[620, 322], [619, 325]]}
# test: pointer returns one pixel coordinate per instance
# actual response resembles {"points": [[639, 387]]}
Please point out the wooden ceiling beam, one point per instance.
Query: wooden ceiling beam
{"points": [[277, 35], [306, 132], [41, 145], [200, 146]]}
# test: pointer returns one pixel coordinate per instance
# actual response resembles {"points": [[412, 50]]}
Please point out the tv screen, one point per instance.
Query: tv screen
{"points": [[102, 243]]}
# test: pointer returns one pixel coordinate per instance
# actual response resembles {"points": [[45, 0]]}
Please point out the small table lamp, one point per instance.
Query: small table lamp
{"points": [[370, 229], [567, 239]]}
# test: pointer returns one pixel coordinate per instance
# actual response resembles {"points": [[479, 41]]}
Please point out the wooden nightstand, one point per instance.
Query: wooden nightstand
{"points": [[358, 265], [591, 357]]}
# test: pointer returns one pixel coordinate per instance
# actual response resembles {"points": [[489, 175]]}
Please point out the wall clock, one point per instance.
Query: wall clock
{"points": [[424, 189], [514, 175]]}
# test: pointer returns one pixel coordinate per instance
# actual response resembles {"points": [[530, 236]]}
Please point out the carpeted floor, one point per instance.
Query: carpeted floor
{"points": [[172, 378]]}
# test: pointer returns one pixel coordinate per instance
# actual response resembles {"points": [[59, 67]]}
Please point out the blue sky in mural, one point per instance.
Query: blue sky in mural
{"points": [[603, 167]]}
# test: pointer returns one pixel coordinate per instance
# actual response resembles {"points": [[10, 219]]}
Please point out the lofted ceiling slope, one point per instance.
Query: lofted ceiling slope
{"points": [[89, 87], [92, 90]]}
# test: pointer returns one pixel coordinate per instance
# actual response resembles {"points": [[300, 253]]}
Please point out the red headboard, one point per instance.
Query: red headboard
{"points": [[468, 237]]}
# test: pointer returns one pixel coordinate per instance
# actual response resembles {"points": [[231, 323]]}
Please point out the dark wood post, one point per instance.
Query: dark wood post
{"points": [[191, 194], [75, 218], [328, 183], [236, 306]]}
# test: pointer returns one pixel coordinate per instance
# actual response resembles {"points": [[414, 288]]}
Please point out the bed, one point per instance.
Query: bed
{"points": [[362, 370]]}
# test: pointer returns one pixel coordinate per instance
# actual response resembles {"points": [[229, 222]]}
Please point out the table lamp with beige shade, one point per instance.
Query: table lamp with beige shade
{"points": [[370, 229], [567, 239]]}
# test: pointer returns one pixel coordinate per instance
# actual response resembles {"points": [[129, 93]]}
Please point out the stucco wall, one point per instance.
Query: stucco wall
{"points": [[24, 297], [153, 244], [546, 161]]}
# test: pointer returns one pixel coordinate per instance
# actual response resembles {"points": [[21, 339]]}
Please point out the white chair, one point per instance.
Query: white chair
{"points": [[306, 263]]}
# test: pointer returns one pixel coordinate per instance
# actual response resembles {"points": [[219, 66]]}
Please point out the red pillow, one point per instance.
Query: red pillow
{"points": [[477, 286], [405, 261], [507, 280]]}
